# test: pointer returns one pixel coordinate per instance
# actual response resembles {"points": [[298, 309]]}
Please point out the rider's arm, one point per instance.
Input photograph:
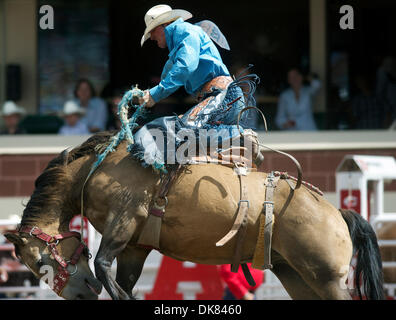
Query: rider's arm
{"points": [[314, 86], [184, 62]]}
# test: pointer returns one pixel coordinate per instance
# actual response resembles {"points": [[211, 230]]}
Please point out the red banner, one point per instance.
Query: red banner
{"points": [[350, 199], [75, 225], [201, 282]]}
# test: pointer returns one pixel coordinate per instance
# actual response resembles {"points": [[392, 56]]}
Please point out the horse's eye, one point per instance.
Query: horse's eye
{"points": [[40, 263]]}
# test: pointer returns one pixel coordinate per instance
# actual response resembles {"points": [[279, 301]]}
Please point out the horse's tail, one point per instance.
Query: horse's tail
{"points": [[369, 263]]}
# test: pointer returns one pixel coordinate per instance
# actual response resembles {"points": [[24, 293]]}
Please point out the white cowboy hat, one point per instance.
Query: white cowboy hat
{"points": [[161, 14], [71, 107], [10, 107]]}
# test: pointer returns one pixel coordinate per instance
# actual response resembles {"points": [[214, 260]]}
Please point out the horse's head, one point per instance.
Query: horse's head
{"points": [[60, 260]]}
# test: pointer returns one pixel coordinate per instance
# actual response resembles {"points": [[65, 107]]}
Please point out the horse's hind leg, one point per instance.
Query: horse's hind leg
{"points": [[323, 271], [293, 283], [320, 281], [129, 267], [321, 255], [323, 263]]}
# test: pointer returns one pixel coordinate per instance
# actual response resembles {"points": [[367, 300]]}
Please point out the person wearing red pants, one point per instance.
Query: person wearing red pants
{"points": [[237, 288]]}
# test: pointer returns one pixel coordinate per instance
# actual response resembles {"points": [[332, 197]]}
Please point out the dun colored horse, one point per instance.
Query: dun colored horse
{"points": [[312, 244]]}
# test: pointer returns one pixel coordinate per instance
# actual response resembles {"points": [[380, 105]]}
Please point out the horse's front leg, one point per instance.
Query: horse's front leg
{"points": [[115, 237], [129, 267]]}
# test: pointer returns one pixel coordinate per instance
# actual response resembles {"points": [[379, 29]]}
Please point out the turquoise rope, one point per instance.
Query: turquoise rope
{"points": [[126, 129]]}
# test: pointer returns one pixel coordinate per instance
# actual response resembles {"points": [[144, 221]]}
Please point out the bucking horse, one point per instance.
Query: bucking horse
{"points": [[312, 241]]}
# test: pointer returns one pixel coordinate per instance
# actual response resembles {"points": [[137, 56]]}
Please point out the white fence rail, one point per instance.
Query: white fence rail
{"points": [[377, 222]]}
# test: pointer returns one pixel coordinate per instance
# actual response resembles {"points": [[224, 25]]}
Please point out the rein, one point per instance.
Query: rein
{"points": [[62, 276]]}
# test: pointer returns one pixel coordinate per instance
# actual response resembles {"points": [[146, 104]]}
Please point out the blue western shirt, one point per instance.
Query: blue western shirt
{"points": [[193, 60]]}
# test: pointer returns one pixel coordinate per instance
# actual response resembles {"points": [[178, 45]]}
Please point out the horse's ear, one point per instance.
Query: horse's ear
{"points": [[15, 238], [65, 156]]}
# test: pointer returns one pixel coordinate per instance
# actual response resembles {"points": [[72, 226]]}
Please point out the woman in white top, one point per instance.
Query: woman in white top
{"points": [[295, 104]]}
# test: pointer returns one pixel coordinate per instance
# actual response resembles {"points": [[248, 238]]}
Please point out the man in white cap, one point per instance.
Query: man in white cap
{"points": [[12, 115], [195, 64], [72, 114]]}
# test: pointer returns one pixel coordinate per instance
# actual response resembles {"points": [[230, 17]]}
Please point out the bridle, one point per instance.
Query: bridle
{"points": [[62, 276]]}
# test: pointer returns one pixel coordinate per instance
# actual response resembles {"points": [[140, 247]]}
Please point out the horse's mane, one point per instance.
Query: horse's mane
{"points": [[49, 185]]}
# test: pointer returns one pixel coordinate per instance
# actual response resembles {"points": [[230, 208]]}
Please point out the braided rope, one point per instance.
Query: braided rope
{"points": [[285, 175]]}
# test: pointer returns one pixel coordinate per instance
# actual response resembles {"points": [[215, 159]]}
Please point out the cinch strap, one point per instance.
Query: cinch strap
{"points": [[262, 253]]}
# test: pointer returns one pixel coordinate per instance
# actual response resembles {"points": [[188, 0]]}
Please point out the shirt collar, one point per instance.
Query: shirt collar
{"points": [[168, 32]]}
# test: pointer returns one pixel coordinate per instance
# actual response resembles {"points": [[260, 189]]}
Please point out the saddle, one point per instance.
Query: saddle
{"points": [[239, 152], [229, 157]]}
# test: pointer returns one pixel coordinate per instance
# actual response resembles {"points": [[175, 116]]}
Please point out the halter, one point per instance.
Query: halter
{"points": [[62, 276]]}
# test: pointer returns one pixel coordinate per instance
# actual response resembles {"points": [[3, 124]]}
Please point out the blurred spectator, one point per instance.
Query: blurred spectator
{"points": [[3, 279], [3, 275], [3, 268], [368, 110], [295, 104], [12, 115], [237, 288], [114, 122], [96, 112], [386, 87], [73, 125]]}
